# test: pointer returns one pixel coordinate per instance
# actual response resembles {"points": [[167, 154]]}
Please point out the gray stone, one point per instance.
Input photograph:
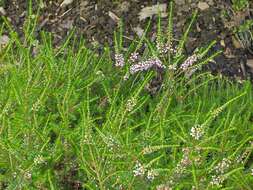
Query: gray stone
{"points": [[203, 6]]}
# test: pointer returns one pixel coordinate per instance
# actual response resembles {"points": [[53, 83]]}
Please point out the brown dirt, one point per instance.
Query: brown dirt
{"points": [[92, 21]]}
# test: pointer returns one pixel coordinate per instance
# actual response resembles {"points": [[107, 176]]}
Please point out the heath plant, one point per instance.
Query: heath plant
{"points": [[147, 116]]}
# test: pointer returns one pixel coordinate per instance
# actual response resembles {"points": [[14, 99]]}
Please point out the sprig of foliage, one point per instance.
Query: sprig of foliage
{"points": [[70, 119]]}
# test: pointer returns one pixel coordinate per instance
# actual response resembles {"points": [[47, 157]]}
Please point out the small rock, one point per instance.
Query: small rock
{"points": [[243, 68], [236, 43], [210, 2], [2, 11], [138, 30], [228, 53], [203, 6], [84, 9], [35, 48], [222, 43], [250, 64], [67, 24], [198, 27], [123, 7], [4, 40], [114, 17], [180, 2], [66, 2], [147, 12]]}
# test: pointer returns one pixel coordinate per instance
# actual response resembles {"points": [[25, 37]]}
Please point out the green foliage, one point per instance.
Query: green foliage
{"points": [[242, 29], [69, 120], [239, 5], [2, 2], [244, 33]]}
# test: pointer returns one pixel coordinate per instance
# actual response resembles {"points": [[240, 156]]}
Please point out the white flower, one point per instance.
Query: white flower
{"points": [[163, 187], [223, 166], [126, 76], [87, 139], [151, 174], [217, 180], [111, 142], [27, 175], [172, 67], [99, 73], [197, 132], [184, 162], [36, 106], [240, 158], [147, 150], [139, 169], [38, 160], [131, 103]]}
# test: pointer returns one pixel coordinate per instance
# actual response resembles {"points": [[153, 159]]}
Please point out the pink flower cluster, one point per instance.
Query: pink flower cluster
{"points": [[164, 48], [119, 60], [134, 57], [189, 62], [145, 65]]}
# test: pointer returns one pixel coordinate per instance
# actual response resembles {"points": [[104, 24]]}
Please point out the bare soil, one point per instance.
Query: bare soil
{"points": [[96, 20]]}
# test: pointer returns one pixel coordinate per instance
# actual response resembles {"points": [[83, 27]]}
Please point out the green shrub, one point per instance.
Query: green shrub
{"points": [[72, 119]]}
